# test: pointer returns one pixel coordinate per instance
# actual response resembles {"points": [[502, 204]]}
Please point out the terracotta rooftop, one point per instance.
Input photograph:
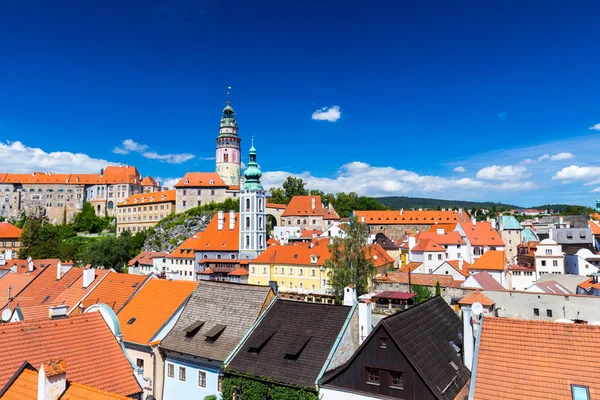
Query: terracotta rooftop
{"points": [[446, 238], [151, 308], [377, 255], [200, 179], [16, 282], [406, 217], [9, 231], [149, 181], [465, 267], [213, 239], [168, 196], [302, 206], [428, 245], [481, 234], [146, 257], [114, 290], [277, 206], [296, 253], [476, 296], [85, 342], [410, 267], [554, 357], [22, 266], [111, 175], [416, 279], [188, 248], [491, 260], [74, 293]]}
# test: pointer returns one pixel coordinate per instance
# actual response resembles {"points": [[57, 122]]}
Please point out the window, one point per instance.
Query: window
{"points": [[382, 343], [543, 263], [212, 192], [555, 263], [201, 378], [184, 203], [264, 270], [312, 272], [170, 370], [580, 392], [182, 374], [548, 252], [396, 380], [247, 204], [372, 376], [184, 191], [291, 271], [536, 312], [439, 256], [139, 362], [458, 255], [429, 257], [549, 313], [301, 272]]}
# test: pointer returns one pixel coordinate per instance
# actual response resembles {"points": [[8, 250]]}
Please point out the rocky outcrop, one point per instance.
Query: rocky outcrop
{"points": [[171, 232]]}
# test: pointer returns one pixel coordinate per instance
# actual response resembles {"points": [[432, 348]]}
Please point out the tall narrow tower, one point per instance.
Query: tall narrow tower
{"points": [[228, 148], [253, 228]]}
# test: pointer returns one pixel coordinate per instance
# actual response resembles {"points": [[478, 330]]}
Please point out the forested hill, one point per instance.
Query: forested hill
{"points": [[402, 202]]}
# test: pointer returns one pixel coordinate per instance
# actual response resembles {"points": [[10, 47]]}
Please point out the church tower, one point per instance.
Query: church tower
{"points": [[253, 228], [228, 148]]}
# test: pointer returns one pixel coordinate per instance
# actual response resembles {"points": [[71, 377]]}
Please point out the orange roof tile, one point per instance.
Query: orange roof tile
{"points": [[77, 391], [272, 242], [448, 237], [296, 253], [308, 233], [167, 196], [213, 239], [200, 179], [74, 293], [146, 257], [494, 260], [406, 217], [112, 175], [22, 266], [188, 248], [16, 282], [445, 227], [416, 279], [9, 231], [476, 296], [481, 234], [239, 272], [594, 227], [302, 206], [149, 181], [277, 206], [151, 308], [114, 290], [24, 387], [428, 245], [554, 356], [85, 342], [465, 267], [410, 267], [377, 255]]}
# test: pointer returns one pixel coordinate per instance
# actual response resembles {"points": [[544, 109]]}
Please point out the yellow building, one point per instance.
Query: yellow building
{"points": [[141, 212]]}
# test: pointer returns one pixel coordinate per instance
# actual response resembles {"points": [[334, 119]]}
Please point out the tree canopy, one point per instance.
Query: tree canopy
{"points": [[41, 239], [87, 221]]}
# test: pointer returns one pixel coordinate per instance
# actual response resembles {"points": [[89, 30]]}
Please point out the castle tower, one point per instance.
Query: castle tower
{"points": [[228, 148], [253, 224]]}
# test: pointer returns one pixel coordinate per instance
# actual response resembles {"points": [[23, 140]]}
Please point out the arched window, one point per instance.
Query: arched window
{"points": [[205, 256], [247, 204], [260, 225], [98, 209], [248, 222], [218, 256], [110, 205], [260, 241], [259, 204], [225, 157], [247, 240]]}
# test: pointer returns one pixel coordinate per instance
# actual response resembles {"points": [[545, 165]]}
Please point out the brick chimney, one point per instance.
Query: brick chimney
{"points": [[52, 380]]}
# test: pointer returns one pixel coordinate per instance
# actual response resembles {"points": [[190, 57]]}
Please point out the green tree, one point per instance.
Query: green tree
{"points": [[348, 263], [438, 289], [294, 187], [421, 293], [278, 196], [87, 221], [314, 192], [108, 252], [136, 244], [40, 239]]}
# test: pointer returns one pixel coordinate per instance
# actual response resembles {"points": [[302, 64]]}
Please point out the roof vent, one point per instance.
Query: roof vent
{"points": [[191, 330], [258, 342], [296, 347], [214, 333], [131, 321]]}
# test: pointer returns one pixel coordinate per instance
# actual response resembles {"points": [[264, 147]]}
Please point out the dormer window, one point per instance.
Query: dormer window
{"points": [[186, 181], [211, 182]]}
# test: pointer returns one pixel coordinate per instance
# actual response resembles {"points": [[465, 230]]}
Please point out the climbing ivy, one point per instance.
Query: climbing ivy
{"points": [[253, 389]]}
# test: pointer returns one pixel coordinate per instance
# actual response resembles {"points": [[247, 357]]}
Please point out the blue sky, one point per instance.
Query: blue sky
{"points": [[407, 94]]}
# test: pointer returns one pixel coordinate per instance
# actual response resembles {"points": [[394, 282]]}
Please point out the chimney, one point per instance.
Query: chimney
{"points": [[349, 295], [440, 231], [8, 254], [401, 211], [52, 380], [313, 203], [314, 234], [412, 241], [221, 220], [460, 264], [550, 232], [493, 222], [57, 312], [468, 337], [29, 264], [561, 220], [460, 210], [473, 220], [58, 271], [88, 276], [231, 220], [362, 219], [364, 320]]}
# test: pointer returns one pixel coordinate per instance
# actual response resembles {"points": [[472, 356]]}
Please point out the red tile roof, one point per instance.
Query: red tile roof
{"points": [[448, 237], [77, 391], [145, 257], [491, 260], [168, 196], [594, 227], [200, 179], [112, 175], [410, 267], [416, 279], [272, 242], [188, 248], [476, 296], [481, 234], [213, 239], [239, 272], [23, 387], [407, 217], [85, 342], [302, 206], [552, 287], [554, 357], [9, 231], [114, 290], [22, 266], [395, 295], [277, 206], [465, 267], [295, 253], [428, 245], [446, 227], [377, 255], [151, 308], [16, 282], [149, 181], [73, 294]]}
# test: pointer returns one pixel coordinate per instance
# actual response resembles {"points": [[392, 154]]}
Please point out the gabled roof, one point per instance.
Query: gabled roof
{"points": [[427, 245], [478, 297], [491, 260], [485, 281], [167, 196], [426, 335], [9, 231], [16, 282], [296, 253], [302, 206], [444, 226], [84, 341], [377, 255], [111, 175], [73, 295], [237, 306], [530, 236], [187, 248], [22, 266], [410, 267], [385, 242], [213, 239], [276, 206], [290, 344], [151, 308], [454, 264], [146, 257], [407, 217], [416, 279], [115, 290], [201, 179], [551, 287], [149, 181], [446, 238], [555, 356], [481, 234]]}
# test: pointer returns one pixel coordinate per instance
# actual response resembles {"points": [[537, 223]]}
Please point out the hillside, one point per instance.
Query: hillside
{"points": [[402, 202]]}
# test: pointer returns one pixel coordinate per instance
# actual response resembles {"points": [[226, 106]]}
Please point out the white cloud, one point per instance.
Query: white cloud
{"points": [[502, 172], [595, 127], [365, 179], [596, 190], [577, 173], [168, 182], [330, 114], [19, 158], [129, 145], [460, 169], [561, 156]]}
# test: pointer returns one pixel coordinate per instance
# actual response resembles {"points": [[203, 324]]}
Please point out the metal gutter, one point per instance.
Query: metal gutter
{"points": [[475, 358]]}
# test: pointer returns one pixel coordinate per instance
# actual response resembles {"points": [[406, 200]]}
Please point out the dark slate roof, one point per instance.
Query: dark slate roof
{"points": [[385, 242], [568, 236], [291, 343], [574, 221], [199, 330], [572, 250], [424, 334]]}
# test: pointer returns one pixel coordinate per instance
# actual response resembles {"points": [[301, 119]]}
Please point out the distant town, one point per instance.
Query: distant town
{"points": [[113, 286]]}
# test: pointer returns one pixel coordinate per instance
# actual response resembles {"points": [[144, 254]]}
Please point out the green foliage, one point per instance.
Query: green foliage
{"points": [[87, 221], [108, 252], [422, 293], [348, 263], [278, 196], [40, 239], [211, 397], [438, 289], [253, 389], [290, 188]]}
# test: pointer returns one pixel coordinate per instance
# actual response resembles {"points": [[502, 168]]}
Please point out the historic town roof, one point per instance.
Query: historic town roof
{"points": [[187, 248], [167, 196], [481, 234], [16, 282], [302, 253], [428, 245], [530, 236], [74, 293], [290, 344], [232, 307], [146, 257], [149, 181], [484, 280], [391, 295], [385, 242], [446, 238], [406, 217], [111, 175], [115, 290], [226, 239], [555, 355], [9, 231], [491, 260], [144, 315], [84, 341], [303, 206], [478, 297], [377, 255], [410, 267], [22, 266], [201, 179], [455, 264], [416, 279], [552, 287], [510, 222], [276, 206]]}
